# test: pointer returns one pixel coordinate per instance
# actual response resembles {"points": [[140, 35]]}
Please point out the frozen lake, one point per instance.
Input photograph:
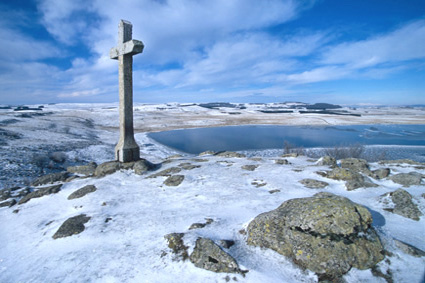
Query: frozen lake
{"points": [[399, 141]]}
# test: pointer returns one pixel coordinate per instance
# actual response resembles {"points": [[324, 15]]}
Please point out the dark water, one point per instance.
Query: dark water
{"points": [[237, 138]]}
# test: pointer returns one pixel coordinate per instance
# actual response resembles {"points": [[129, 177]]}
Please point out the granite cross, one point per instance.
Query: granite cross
{"points": [[127, 149]]}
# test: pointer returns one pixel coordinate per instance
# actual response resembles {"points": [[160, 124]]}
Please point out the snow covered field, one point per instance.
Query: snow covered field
{"points": [[130, 214]]}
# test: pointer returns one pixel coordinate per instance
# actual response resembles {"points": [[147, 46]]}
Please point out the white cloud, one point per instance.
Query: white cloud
{"points": [[405, 43]]}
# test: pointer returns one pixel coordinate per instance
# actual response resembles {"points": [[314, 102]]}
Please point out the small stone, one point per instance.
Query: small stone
{"points": [[40, 193], [230, 154], [5, 194], [188, 166], [72, 226], [209, 152], [166, 173], [197, 226], [227, 244], [207, 255], [174, 180], [281, 161], [274, 191], [249, 167], [313, 184], [258, 183], [82, 192], [176, 244]]}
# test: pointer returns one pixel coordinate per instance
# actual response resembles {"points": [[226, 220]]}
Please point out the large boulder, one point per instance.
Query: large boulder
{"points": [[355, 164], [326, 233], [107, 168], [209, 256], [407, 179], [327, 161], [354, 180], [142, 166], [401, 203]]}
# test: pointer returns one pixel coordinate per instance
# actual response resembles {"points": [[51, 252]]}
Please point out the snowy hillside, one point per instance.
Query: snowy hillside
{"points": [[123, 241]]}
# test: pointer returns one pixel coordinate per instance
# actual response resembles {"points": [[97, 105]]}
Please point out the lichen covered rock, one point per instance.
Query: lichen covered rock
{"points": [[401, 203], [327, 234], [209, 256]]}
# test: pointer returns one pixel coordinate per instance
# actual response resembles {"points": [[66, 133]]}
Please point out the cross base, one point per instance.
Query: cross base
{"points": [[127, 154]]}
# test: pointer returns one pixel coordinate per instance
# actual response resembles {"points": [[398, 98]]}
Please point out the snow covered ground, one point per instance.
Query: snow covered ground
{"points": [[130, 214]]}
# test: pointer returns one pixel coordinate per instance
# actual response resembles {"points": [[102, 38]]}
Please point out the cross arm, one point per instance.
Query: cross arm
{"points": [[131, 47]]}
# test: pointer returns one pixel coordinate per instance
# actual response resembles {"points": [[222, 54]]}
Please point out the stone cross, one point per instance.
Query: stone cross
{"points": [[127, 149]]}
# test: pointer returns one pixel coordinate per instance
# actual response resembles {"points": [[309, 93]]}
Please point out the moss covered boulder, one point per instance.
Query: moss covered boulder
{"points": [[326, 233]]}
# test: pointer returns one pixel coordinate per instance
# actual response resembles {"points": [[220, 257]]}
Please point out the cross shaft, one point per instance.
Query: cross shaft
{"points": [[127, 149]]}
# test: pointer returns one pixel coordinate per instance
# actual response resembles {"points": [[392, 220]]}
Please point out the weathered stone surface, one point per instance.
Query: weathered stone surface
{"points": [[174, 181], [8, 203], [327, 161], [5, 194], [107, 168], [40, 193], [208, 152], [72, 226], [176, 244], [51, 178], [313, 184], [188, 166], [294, 154], [327, 234], [355, 164], [227, 244], [201, 225], [409, 249], [167, 172], [354, 179], [282, 161], [379, 174], [143, 165], [230, 154], [407, 179], [209, 256], [82, 192], [403, 205], [249, 167], [86, 170]]}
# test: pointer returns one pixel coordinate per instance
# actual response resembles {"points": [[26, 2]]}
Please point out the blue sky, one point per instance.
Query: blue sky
{"points": [[337, 51]]}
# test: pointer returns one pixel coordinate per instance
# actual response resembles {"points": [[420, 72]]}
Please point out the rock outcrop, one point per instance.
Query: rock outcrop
{"points": [[400, 202], [313, 184], [407, 179], [326, 233], [209, 256], [51, 178], [354, 180], [72, 226], [86, 170], [82, 192], [41, 193]]}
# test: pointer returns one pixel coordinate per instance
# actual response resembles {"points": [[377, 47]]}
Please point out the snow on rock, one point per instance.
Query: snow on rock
{"points": [[123, 241]]}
